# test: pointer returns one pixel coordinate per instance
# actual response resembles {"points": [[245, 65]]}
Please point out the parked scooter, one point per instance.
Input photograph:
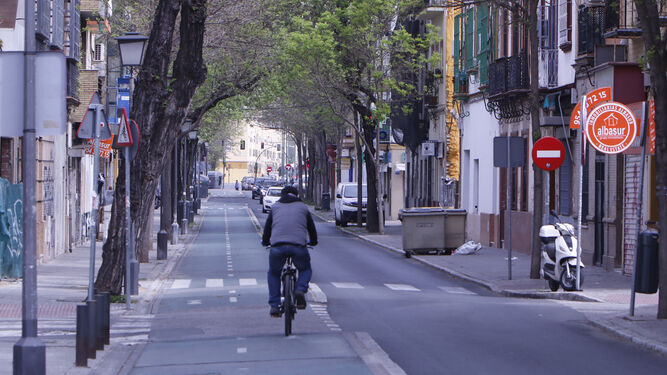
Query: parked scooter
{"points": [[559, 255]]}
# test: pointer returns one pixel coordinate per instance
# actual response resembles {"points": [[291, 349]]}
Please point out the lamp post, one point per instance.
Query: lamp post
{"points": [[192, 136], [132, 47]]}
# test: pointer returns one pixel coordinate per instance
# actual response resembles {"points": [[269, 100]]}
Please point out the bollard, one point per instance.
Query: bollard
{"points": [[99, 323], [174, 234], [92, 329], [134, 278], [106, 319], [81, 336], [184, 226], [162, 239]]}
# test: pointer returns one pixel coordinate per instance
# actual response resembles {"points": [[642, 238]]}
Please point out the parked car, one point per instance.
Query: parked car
{"points": [[247, 183], [347, 201], [272, 196], [257, 186]]}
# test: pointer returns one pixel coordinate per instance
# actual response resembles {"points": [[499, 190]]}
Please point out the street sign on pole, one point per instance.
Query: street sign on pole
{"points": [[516, 150], [611, 128], [548, 153], [124, 138], [593, 98], [87, 126], [136, 139]]}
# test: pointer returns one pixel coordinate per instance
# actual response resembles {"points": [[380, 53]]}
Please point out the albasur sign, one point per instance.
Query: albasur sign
{"points": [[611, 128]]}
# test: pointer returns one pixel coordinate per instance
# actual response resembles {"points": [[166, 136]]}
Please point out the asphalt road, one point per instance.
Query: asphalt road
{"points": [[213, 316], [429, 323]]}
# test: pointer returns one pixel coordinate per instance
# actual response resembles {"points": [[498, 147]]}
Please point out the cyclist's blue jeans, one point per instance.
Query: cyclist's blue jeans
{"points": [[277, 257]]}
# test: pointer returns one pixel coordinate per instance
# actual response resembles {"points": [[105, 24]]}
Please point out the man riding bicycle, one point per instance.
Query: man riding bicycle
{"points": [[287, 229]]}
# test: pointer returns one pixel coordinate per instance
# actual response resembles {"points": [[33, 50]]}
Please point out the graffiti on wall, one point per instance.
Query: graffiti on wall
{"points": [[11, 229]]}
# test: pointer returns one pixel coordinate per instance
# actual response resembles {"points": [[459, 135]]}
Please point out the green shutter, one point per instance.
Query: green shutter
{"points": [[483, 39], [470, 37], [457, 51]]}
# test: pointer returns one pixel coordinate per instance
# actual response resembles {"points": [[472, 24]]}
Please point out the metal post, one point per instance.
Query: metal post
{"points": [[128, 254], [29, 351], [509, 208], [644, 124], [582, 127]]}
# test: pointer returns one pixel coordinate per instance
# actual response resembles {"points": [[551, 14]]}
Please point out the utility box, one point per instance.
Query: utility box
{"points": [[423, 228], [646, 280], [455, 228]]}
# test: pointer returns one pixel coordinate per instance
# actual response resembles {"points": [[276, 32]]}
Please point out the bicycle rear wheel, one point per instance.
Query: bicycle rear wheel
{"points": [[288, 304]]}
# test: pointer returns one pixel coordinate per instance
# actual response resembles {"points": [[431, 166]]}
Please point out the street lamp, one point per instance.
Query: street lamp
{"points": [[132, 47]]}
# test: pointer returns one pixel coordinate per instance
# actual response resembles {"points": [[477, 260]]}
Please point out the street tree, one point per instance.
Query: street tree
{"points": [[187, 51], [654, 33], [354, 50]]}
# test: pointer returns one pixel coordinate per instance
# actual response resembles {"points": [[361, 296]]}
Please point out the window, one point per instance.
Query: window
{"points": [[483, 42], [98, 54], [242, 144], [565, 24]]}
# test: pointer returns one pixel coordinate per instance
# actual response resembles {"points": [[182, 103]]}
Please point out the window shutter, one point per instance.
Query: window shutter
{"points": [[563, 29], [58, 24], [470, 38], [73, 31], [483, 42], [457, 50], [43, 16]]}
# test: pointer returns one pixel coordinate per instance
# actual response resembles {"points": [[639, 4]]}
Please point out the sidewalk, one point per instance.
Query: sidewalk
{"points": [[605, 299], [62, 285]]}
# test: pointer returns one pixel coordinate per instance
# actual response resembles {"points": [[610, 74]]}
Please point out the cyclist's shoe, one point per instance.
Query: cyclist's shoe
{"points": [[300, 299], [274, 312]]}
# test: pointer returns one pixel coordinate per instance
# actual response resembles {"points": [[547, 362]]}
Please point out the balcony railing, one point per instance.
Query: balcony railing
{"points": [[548, 67], [591, 28], [435, 3], [508, 74], [621, 19]]}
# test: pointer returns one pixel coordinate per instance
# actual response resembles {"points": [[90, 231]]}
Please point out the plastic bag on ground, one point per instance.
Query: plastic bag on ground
{"points": [[468, 248]]}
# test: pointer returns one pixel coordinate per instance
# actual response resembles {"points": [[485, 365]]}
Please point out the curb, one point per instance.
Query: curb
{"points": [[488, 285], [623, 335]]}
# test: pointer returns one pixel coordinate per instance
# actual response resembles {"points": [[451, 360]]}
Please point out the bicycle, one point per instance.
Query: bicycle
{"points": [[288, 282], [288, 277]]}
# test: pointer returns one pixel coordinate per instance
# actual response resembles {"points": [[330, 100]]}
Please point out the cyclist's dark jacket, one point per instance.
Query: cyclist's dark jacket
{"points": [[289, 223]]}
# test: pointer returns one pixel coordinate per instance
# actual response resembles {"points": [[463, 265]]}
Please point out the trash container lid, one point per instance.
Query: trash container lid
{"points": [[455, 211], [421, 210]]}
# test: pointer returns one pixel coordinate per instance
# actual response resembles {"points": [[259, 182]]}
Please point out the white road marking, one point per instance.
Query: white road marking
{"points": [[347, 285], [457, 290], [247, 282], [241, 350], [402, 287], [233, 299], [194, 302], [215, 283], [181, 284]]}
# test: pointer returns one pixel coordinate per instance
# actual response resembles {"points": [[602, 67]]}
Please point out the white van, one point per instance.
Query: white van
{"points": [[346, 203]]}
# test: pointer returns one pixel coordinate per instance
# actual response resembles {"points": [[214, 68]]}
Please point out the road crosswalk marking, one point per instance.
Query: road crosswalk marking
{"points": [[457, 290], [215, 283], [402, 287], [347, 285], [247, 282], [181, 284]]}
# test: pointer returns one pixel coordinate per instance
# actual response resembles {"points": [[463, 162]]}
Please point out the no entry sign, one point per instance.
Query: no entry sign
{"points": [[611, 128], [548, 153]]}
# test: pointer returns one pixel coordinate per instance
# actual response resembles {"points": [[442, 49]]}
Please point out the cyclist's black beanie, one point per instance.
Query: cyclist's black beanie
{"points": [[289, 190]]}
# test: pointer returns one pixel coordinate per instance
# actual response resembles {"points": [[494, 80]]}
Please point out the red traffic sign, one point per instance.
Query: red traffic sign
{"points": [[124, 138], [548, 153], [269, 169]]}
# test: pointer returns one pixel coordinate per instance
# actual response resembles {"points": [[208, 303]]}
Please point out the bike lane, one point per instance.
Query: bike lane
{"points": [[212, 315]]}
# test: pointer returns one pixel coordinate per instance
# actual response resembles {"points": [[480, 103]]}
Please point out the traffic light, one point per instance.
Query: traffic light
{"points": [[262, 145], [242, 144]]}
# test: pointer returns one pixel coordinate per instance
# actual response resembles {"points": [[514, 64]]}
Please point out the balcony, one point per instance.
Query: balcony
{"points": [[621, 20], [591, 28], [548, 68], [509, 74]]}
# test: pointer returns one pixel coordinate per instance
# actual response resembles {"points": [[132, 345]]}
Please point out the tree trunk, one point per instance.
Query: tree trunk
{"points": [[655, 45], [538, 176], [165, 196], [360, 176], [299, 152], [371, 181], [160, 102]]}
